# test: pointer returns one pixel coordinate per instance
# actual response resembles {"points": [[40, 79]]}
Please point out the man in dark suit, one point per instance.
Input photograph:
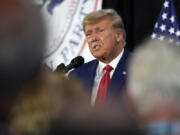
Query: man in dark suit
{"points": [[105, 34]]}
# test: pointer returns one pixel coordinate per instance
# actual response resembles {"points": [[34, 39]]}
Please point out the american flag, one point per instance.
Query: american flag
{"points": [[167, 24]]}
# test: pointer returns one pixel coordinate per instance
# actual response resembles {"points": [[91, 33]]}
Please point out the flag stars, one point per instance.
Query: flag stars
{"points": [[172, 19], [166, 4], [154, 35], [177, 33], [163, 27], [156, 25], [167, 25], [171, 30], [164, 16]]}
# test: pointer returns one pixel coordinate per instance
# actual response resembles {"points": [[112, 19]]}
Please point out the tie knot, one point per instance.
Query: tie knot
{"points": [[108, 68]]}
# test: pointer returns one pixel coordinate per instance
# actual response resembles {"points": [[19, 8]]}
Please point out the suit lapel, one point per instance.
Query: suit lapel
{"points": [[90, 74], [119, 77]]}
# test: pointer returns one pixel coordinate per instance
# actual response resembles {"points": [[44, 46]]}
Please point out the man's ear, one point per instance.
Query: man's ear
{"points": [[119, 35]]}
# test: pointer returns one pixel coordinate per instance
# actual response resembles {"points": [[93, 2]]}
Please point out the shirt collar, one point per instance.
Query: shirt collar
{"points": [[113, 64]]}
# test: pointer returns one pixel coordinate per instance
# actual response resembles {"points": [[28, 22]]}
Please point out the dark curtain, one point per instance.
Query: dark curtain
{"points": [[139, 17]]}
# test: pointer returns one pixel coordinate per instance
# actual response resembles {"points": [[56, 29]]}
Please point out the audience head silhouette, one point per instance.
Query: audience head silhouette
{"points": [[22, 44], [154, 86]]}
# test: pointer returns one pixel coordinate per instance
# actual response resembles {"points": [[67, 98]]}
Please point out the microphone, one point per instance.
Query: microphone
{"points": [[76, 62], [61, 68]]}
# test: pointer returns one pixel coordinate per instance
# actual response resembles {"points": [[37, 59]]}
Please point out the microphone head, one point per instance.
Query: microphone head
{"points": [[60, 67], [77, 61]]}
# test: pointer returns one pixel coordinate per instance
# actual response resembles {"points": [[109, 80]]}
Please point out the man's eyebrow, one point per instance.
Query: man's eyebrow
{"points": [[99, 27], [88, 31], [96, 28]]}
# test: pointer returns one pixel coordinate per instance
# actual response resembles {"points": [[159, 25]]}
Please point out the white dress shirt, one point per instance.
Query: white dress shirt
{"points": [[99, 74]]}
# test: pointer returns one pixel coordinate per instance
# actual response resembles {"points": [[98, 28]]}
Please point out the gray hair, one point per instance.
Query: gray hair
{"points": [[117, 22], [154, 74]]}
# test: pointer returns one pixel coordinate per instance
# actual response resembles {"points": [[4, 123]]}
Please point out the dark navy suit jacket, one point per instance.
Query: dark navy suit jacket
{"points": [[87, 71]]}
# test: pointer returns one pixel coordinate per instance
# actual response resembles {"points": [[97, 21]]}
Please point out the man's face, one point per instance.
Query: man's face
{"points": [[103, 40]]}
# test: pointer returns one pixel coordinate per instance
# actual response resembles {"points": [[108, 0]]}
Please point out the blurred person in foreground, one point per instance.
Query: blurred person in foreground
{"points": [[107, 120], [154, 88], [83, 120], [21, 51], [55, 105], [46, 98], [105, 34]]}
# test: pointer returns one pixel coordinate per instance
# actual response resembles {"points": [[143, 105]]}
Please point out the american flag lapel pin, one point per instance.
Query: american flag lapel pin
{"points": [[124, 73]]}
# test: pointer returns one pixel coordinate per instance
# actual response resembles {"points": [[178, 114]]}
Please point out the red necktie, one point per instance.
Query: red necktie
{"points": [[103, 86]]}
